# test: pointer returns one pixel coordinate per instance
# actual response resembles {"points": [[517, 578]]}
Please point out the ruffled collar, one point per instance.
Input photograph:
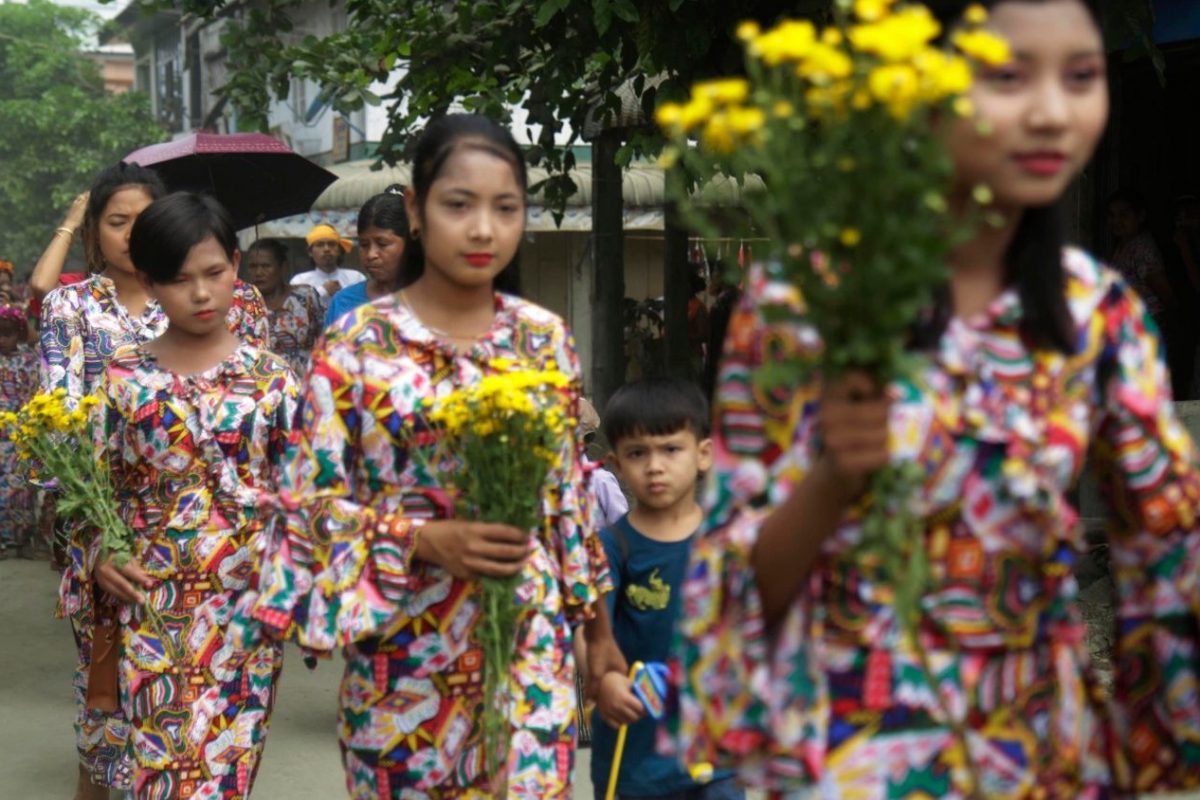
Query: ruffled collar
{"points": [[237, 364], [411, 328]]}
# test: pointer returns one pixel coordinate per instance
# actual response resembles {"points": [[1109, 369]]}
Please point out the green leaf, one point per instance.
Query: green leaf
{"points": [[548, 10]]}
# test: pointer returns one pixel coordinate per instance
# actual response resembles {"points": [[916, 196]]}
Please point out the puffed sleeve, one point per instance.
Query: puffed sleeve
{"points": [[1147, 465], [748, 697], [334, 565], [570, 510], [61, 338]]}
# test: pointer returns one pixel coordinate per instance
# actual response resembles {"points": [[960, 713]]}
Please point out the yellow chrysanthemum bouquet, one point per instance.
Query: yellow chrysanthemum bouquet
{"points": [[841, 126], [498, 441], [838, 134], [57, 443]]}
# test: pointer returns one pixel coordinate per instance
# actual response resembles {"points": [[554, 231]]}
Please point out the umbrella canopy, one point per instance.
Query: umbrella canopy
{"points": [[255, 176]]}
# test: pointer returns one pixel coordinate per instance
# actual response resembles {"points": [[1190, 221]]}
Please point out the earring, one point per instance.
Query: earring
{"points": [[416, 233]]}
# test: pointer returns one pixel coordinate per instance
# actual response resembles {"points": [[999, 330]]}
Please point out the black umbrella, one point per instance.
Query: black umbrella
{"points": [[255, 176]]}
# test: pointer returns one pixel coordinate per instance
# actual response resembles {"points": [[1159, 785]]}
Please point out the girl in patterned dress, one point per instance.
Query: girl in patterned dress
{"points": [[83, 324], [368, 556], [195, 423], [790, 661], [294, 312], [18, 382]]}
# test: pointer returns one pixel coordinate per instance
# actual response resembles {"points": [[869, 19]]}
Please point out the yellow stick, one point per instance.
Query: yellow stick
{"points": [[619, 750]]}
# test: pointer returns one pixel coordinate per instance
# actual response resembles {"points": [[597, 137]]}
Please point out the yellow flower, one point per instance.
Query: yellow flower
{"points": [[871, 10], [897, 37], [825, 63], [718, 134], [746, 120], [983, 194], [748, 30], [850, 237], [668, 158], [790, 40], [941, 75], [985, 47], [695, 113], [975, 14], [964, 107], [897, 86], [725, 91], [783, 109]]}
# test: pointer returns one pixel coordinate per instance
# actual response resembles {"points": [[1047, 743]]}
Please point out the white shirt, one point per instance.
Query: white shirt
{"points": [[317, 279]]}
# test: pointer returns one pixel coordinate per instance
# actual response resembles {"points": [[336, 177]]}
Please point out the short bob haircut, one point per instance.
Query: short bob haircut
{"points": [[656, 407], [169, 228]]}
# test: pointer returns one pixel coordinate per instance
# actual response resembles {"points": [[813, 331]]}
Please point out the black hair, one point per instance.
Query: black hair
{"points": [[1033, 260], [441, 138], [169, 228], [112, 180], [656, 407], [276, 248], [385, 210], [949, 12]]}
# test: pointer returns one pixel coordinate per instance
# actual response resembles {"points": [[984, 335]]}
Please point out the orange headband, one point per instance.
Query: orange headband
{"points": [[6, 266]]}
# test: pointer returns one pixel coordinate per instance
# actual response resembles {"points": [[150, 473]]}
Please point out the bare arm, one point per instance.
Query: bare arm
{"points": [[853, 422], [45, 275]]}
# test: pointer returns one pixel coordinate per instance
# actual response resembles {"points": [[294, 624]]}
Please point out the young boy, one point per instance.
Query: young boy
{"points": [[658, 431]]}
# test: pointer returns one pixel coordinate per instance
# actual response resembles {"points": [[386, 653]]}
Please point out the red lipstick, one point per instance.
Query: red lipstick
{"points": [[1044, 163], [480, 259]]}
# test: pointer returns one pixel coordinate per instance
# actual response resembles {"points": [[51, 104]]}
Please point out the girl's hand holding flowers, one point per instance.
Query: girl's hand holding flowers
{"points": [[471, 550], [853, 425], [122, 581]]}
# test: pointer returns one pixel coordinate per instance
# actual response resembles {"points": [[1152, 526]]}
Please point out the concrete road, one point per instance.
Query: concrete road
{"points": [[37, 751]]}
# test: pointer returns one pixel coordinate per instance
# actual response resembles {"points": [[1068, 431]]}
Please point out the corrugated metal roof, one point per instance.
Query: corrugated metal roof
{"points": [[642, 186]]}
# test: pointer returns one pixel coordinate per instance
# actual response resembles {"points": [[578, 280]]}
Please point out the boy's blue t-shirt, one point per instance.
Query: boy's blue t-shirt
{"points": [[643, 605]]}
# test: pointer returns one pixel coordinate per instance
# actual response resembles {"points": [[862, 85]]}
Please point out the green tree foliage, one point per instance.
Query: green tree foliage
{"points": [[58, 126], [562, 61]]}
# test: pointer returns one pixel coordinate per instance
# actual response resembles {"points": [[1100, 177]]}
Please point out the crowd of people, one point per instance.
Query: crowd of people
{"points": [[261, 440]]}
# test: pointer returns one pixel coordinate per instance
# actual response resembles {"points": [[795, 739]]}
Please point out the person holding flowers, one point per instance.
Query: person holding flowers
{"points": [[193, 427], [18, 381], [826, 646], [383, 549], [83, 325]]}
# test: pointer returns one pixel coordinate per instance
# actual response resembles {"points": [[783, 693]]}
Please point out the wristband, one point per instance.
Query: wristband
{"points": [[70, 232]]}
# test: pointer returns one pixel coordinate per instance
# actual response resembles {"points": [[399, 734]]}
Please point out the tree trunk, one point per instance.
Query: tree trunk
{"points": [[608, 265], [677, 290]]}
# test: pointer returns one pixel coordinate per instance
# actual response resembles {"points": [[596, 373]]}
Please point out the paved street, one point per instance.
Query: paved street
{"points": [[36, 746]]}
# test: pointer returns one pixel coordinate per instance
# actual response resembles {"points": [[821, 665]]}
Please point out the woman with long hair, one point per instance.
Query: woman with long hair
{"points": [[792, 664]]}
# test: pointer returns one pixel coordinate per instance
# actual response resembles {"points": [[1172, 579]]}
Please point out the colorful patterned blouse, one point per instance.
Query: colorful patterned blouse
{"points": [[296, 325], [84, 324], [193, 461], [830, 698], [341, 571]]}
